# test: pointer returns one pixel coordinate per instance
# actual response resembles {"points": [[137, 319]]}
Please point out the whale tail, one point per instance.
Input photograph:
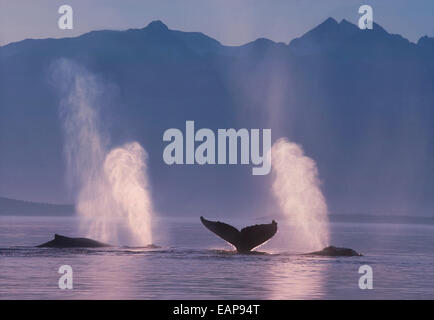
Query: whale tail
{"points": [[246, 239]]}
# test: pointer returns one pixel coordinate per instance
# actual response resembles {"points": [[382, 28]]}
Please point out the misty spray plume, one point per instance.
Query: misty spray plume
{"points": [[296, 188], [113, 194]]}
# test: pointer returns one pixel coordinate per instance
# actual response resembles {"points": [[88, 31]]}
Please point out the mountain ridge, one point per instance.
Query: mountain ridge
{"points": [[157, 26], [16, 207], [361, 108]]}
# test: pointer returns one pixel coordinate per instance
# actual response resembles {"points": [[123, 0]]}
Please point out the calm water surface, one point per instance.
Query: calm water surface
{"points": [[191, 263]]}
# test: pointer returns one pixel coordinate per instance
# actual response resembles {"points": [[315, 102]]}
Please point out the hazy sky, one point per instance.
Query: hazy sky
{"points": [[232, 22]]}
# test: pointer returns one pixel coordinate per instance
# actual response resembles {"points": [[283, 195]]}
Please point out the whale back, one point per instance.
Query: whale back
{"points": [[332, 251], [60, 241]]}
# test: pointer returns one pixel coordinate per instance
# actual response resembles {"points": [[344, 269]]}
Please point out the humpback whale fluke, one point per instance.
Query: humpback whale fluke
{"points": [[246, 239], [66, 242]]}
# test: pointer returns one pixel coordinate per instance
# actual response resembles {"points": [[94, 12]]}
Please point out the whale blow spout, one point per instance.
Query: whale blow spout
{"points": [[66, 242], [245, 240]]}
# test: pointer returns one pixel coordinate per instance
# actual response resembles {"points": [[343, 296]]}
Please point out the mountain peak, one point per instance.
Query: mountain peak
{"points": [[327, 26], [329, 21], [323, 37], [157, 25], [262, 42], [427, 44], [425, 40], [345, 22]]}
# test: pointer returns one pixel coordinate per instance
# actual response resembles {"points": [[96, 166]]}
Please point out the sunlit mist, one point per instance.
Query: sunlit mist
{"points": [[302, 204], [113, 195]]}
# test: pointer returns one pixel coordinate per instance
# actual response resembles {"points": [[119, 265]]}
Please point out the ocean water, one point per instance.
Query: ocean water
{"points": [[191, 263]]}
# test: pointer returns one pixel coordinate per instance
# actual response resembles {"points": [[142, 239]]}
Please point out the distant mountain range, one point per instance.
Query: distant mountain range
{"points": [[360, 102], [12, 207]]}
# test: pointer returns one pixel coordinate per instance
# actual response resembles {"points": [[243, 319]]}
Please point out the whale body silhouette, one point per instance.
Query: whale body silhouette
{"points": [[333, 251], [66, 242], [245, 240]]}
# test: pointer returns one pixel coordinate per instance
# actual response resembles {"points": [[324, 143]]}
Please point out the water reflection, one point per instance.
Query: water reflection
{"points": [[296, 277], [105, 277], [187, 268]]}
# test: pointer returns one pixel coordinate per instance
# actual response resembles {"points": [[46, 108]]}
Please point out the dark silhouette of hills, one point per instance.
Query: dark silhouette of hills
{"points": [[361, 102], [14, 207], [331, 37]]}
